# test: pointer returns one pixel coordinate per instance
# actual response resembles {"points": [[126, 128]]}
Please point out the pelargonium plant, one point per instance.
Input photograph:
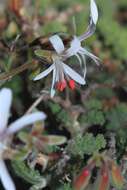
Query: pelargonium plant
{"points": [[52, 156]]}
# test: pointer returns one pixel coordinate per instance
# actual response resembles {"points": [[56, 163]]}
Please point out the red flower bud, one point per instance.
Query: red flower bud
{"points": [[102, 182], [61, 85], [72, 84], [82, 179]]}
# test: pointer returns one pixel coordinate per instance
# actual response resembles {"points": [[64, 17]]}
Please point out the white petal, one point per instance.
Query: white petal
{"points": [[5, 177], [24, 121], [94, 11], [57, 43], [79, 59], [93, 21], [44, 73], [89, 32], [5, 103], [85, 68], [82, 63], [85, 52], [53, 83], [74, 75]]}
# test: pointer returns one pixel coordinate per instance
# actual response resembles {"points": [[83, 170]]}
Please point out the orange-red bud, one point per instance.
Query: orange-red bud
{"points": [[72, 84], [117, 178], [15, 5], [104, 181], [82, 179]]}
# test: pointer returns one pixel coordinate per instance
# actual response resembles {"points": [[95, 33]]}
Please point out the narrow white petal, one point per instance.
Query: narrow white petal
{"points": [[93, 21], [5, 177], [57, 43], [82, 63], [79, 59], [89, 32], [44, 73], [85, 52], [74, 75], [24, 121], [5, 103], [85, 68], [53, 83], [94, 11]]}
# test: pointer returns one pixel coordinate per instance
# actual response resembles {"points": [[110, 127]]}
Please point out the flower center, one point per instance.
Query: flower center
{"points": [[75, 47]]}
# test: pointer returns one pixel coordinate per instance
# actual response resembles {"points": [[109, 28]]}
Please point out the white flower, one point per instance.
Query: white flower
{"points": [[5, 132], [62, 73], [76, 48]]}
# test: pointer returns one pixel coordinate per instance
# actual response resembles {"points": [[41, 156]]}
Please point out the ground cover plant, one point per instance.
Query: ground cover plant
{"points": [[63, 95]]}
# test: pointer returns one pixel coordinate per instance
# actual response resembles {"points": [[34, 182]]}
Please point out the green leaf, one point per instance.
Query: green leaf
{"points": [[55, 108], [93, 104], [117, 117], [39, 52], [28, 174], [21, 155], [87, 144], [23, 136]]}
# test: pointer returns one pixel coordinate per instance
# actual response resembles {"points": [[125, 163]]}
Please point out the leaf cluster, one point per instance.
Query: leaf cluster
{"points": [[87, 144]]}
